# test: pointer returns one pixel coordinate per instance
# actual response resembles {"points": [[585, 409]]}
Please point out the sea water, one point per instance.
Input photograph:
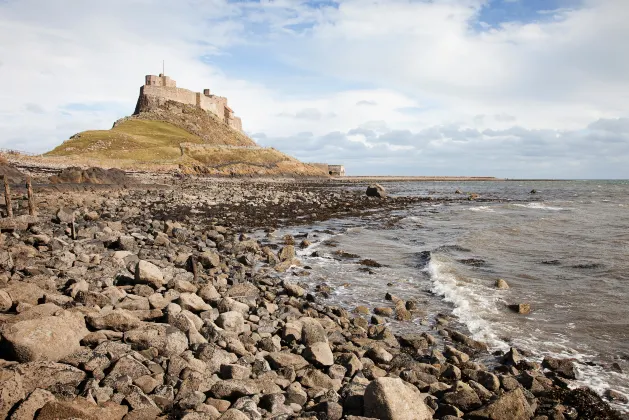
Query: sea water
{"points": [[563, 249]]}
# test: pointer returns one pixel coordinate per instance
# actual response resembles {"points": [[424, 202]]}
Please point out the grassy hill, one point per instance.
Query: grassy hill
{"points": [[177, 136], [138, 140]]}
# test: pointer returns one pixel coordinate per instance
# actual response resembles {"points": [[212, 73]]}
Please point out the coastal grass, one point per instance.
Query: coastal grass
{"points": [[137, 140]]}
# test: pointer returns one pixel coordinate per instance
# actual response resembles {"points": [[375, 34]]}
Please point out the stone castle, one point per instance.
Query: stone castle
{"points": [[157, 90]]}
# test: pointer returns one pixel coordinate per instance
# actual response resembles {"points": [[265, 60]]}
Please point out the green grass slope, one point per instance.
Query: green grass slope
{"points": [[134, 139]]}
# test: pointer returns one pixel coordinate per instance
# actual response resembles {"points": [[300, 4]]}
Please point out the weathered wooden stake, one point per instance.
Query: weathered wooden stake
{"points": [[31, 199], [73, 229], [7, 196], [195, 273]]}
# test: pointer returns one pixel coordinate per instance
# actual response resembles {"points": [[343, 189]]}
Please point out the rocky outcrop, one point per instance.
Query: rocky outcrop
{"points": [[94, 175]]}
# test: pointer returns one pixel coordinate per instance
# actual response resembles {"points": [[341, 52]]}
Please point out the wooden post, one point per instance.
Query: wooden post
{"points": [[31, 199], [73, 229], [195, 274], [7, 196]]}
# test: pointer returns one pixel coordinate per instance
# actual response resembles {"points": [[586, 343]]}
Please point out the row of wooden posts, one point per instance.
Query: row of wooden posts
{"points": [[29, 193]]}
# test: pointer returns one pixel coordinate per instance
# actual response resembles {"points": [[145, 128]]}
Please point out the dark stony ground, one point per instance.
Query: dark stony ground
{"points": [[157, 304]]}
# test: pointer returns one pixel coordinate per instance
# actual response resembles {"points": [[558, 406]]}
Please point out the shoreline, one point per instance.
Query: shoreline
{"points": [[221, 335]]}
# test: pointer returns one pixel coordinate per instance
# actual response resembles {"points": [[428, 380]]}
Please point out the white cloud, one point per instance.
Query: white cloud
{"points": [[397, 78]]}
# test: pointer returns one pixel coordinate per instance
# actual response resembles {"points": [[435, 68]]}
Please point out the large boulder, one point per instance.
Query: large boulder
{"points": [[146, 272], [47, 338], [376, 190], [510, 406], [393, 399], [81, 408], [48, 375], [562, 367]]}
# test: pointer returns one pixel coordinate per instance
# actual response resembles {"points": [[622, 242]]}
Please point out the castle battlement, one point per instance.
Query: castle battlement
{"points": [[159, 89]]}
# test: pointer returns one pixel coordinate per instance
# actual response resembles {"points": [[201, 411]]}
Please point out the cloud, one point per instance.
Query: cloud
{"points": [[596, 152], [34, 108], [308, 114], [395, 86]]}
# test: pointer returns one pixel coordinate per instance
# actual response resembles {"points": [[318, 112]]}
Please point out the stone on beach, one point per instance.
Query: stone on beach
{"points": [[146, 272], [46, 338], [501, 284], [394, 399], [376, 190], [521, 308]]}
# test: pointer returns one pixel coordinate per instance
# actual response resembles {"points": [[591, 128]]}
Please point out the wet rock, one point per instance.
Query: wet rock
{"points": [[394, 399], [521, 308], [512, 357], [616, 396], [148, 273], [376, 190], [463, 339], [501, 284], [286, 253], [563, 367], [47, 338]]}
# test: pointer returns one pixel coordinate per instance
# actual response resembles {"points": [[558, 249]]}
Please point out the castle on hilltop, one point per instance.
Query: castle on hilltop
{"points": [[157, 90]]}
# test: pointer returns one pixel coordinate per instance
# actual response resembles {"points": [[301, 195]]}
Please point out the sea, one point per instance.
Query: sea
{"points": [[564, 249]]}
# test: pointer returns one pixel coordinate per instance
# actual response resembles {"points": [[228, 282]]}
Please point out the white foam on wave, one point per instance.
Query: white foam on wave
{"points": [[540, 206], [485, 209], [470, 301]]}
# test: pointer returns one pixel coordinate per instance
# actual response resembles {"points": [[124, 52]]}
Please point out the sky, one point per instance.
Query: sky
{"points": [[506, 88]]}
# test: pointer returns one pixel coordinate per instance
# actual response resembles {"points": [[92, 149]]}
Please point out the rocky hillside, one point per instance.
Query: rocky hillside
{"points": [[177, 136], [198, 122]]}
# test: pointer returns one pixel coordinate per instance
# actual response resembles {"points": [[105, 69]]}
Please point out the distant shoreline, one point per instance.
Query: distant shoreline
{"points": [[434, 178]]}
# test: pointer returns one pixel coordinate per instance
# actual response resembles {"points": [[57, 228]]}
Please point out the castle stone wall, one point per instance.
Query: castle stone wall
{"points": [[184, 96], [208, 104], [236, 123], [157, 90]]}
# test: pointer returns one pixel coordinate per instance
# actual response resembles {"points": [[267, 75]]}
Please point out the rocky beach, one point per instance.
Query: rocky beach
{"points": [[173, 297]]}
